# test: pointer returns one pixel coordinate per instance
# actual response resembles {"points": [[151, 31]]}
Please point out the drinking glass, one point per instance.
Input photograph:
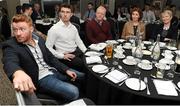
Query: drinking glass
{"points": [[138, 55], [170, 73], [109, 50]]}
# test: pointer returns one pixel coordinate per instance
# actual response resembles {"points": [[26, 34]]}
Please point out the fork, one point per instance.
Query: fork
{"points": [[146, 82], [107, 72]]}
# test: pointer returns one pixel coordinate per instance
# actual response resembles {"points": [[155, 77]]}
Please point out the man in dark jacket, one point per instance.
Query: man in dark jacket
{"points": [[30, 65]]}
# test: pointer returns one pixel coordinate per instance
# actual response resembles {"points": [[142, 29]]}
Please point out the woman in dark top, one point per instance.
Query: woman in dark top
{"points": [[167, 30]]}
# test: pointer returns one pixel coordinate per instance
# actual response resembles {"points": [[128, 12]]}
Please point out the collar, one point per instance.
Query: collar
{"points": [[64, 25], [99, 22], [35, 38]]}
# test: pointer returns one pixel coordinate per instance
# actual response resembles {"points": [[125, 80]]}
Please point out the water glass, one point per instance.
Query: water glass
{"points": [[160, 70]]}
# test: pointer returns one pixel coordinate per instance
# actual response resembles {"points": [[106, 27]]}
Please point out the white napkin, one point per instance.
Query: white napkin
{"points": [[93, 59], [165, 87], [79, 102], [93, 53], [98, 47], [116, 76]]}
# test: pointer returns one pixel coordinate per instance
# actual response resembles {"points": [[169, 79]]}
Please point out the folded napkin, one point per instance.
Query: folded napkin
{"points": [[93, 59], [93, 53], [98, 47], [116, 76], [165, 87]]}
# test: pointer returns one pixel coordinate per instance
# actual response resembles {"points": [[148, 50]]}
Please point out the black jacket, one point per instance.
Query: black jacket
{"points": [[17, 56]]}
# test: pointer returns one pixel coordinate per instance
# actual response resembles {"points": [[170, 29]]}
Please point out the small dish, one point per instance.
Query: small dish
{"points": [[133, 62], [149, 67], [119, 56]]}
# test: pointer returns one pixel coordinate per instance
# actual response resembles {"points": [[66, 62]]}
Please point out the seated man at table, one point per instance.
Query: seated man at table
{"points": [[31, 66], [98, 29], [64, 42]]}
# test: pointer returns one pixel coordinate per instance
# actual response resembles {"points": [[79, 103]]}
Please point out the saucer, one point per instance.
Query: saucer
{"points": [[167, 66], [166, 60], [100, 68], [171, 48], [119, 56], [129, 63], [118, 50], [147, 42], [135, 84], [149, 67]]}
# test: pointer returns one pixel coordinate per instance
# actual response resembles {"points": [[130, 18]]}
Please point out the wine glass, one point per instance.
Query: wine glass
{"points": [[138, 56]]}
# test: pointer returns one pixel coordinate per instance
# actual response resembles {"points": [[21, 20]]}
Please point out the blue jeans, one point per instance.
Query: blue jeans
{"points": [[57, 85]]}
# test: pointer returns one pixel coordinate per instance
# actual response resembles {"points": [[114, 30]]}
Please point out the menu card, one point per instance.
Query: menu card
{"points": [[116, 76], [165, 87]]}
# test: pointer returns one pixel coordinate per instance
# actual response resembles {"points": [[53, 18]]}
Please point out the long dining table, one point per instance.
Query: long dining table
{"points": [[105, 92]]}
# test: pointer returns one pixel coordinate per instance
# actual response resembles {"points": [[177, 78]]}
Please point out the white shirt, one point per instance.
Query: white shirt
{"points": [[44, 69], [65, 38]]}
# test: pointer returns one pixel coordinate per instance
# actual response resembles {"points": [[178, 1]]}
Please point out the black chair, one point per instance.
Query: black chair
{"points": [[114, 29], [120, 26], [77, 26]]}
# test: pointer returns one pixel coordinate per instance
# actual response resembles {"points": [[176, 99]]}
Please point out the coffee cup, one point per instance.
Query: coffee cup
{"points": [[130, 58], [145, 63]]}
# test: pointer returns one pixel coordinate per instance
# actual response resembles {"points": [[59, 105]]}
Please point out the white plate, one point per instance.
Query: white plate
{"points": [[171, 48], [121, 40], [112, 41], [146, 52], [134, 84], [140, 65], [127, 47], [166, 60], [129, 62], [119, 57], [93, 53], [167, 66], [147, 42], [100, 68], [178, 84]]}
